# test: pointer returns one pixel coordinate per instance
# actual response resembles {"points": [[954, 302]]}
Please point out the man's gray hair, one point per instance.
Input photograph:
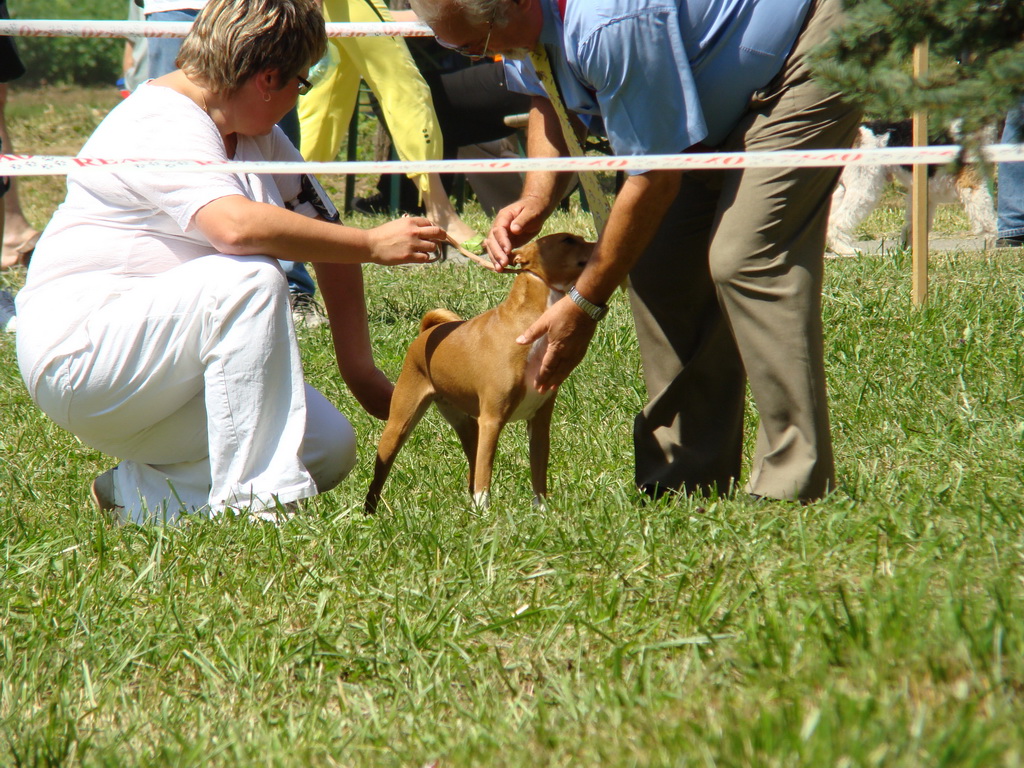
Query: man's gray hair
{"points": [[476, 12]]}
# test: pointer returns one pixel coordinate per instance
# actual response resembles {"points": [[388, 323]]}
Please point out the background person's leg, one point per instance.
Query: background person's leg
{"points": [[19, 237], [306, 312], [387, 66], [1010, 207], [162, 52]]}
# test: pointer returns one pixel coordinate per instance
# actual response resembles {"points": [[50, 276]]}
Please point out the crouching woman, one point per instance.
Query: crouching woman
{"points": [[155, 322]]}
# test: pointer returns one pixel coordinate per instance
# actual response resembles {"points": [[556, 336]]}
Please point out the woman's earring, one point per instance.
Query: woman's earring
{"points": [[266, 97]]}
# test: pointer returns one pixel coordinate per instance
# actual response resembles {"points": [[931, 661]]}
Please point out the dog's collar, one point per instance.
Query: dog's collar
{"points": [[523, 270]]}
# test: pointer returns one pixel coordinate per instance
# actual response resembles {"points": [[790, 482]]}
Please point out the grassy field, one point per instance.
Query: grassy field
{"points": [[881, 626]]}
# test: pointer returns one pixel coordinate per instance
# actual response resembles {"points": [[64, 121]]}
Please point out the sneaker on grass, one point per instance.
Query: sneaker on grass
{"points": [[102, 493], [307, 312], [8, 316]]}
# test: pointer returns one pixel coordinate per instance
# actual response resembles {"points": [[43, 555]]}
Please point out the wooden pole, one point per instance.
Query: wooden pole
{"points": [[919, 192]]}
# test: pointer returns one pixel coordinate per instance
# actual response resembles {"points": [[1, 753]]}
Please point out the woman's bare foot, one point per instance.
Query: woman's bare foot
{"points": [[461, 232], [441, 212], [18, 248]]}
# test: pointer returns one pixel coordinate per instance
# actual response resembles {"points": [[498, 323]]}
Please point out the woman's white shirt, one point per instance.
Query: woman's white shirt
{"points": [[119, 226]]}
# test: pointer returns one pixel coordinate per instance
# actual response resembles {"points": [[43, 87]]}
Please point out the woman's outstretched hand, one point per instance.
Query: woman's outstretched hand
{"points": [[408, 240]]}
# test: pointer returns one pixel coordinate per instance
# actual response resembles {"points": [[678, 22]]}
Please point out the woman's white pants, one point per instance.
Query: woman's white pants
{"points": [[193, 379]]}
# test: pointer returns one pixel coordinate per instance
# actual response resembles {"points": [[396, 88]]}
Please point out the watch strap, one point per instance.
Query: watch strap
{"points": [[594, 311]]}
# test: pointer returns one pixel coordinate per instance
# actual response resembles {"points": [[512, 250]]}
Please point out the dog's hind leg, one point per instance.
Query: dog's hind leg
{"points": [[465, 427], [538, 429], [981, 212], [858, 192], [408, 404]]}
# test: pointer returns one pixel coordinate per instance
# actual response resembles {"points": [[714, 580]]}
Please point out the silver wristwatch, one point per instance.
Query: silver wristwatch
{"points": [[594, 311]]}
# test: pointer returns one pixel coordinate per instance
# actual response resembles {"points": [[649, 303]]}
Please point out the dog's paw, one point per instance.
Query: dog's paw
{"points": [[840, 248]]}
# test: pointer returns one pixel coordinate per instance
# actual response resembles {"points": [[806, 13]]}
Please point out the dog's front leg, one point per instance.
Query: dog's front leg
{"points": [[981, 212], [538, 429], [488, 429]]}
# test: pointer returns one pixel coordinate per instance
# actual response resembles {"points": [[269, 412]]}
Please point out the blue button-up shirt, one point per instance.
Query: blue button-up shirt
{"points": [[663, 75]]}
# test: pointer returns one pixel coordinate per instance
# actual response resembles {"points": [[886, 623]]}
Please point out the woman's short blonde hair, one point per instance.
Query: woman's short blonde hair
{"points": [[233, 40]]}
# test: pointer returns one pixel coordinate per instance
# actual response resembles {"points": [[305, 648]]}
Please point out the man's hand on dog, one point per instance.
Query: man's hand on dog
{"points": [[514, 225], [569, 332], [408, 240]]}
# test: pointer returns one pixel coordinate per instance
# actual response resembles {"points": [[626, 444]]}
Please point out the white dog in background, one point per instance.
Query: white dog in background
{"points": [[861, 186]]}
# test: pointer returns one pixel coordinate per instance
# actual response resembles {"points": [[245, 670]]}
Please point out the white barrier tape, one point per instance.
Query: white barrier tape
{"points": [[53, 165], [68, 28]]}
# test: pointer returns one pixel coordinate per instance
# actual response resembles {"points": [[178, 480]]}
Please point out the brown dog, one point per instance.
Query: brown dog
{"points": [[478, 375]]}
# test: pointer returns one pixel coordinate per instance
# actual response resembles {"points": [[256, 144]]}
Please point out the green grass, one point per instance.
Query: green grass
{"points": [[881, 626]]}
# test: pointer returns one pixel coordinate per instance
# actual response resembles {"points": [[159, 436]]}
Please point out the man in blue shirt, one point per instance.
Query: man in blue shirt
{"points": [[725, 267]]}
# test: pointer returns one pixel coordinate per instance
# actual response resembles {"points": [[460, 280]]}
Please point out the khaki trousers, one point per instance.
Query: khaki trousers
{"points": [[730, 291]]}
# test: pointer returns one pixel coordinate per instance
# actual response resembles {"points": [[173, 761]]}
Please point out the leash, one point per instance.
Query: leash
{"points": [[531, 273], [489, 265], [596, 200], [485, 263]]}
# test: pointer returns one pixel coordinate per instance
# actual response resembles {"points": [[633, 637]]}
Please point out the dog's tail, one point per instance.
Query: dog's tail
{"points": [[436, 317]]}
